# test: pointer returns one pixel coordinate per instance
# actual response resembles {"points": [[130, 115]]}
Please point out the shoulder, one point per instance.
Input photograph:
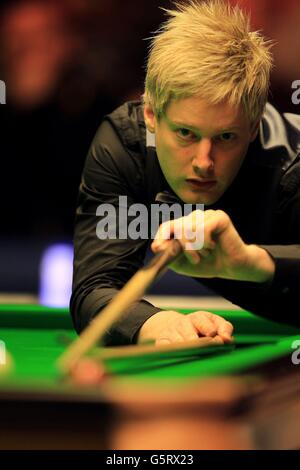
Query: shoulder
{"points": [[282, 131], [128, 121], [122, 136], [116, 152], [280, 138], [280, 135]]}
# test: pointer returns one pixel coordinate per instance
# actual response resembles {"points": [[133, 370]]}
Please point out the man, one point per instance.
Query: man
{"points": [[207, 141]]}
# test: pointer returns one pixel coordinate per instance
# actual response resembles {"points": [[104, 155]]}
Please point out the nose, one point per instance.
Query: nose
{"points": [[202, 160]]}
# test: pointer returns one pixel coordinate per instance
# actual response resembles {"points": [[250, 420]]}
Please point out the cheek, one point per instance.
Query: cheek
{"points": [[229, 165], [164, 143], [168, 154]]}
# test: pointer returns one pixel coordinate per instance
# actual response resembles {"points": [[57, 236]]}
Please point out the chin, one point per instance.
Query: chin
{"points": [[189, 197]]}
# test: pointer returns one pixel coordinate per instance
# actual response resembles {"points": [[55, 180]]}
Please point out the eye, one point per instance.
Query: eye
{"points": [[226, 137], [185, 134]]}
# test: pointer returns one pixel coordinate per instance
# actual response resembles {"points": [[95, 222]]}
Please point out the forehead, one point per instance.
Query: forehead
{"points": [[197, 113]]}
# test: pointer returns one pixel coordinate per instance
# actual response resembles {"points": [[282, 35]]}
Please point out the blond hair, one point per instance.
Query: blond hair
{"points": [[206, 49]]}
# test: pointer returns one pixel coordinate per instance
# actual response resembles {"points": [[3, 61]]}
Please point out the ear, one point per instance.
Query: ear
{"points": [[254, 130], [149, 117]]}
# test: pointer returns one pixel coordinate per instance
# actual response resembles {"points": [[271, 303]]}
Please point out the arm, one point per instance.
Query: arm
{"points": [[278, 300]]}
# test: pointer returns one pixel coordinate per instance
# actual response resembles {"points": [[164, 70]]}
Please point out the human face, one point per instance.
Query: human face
{"points": [[200, 147]]}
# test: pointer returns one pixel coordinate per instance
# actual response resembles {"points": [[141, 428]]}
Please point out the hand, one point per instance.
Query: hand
{"points": [[169, 326], [224, 254]]}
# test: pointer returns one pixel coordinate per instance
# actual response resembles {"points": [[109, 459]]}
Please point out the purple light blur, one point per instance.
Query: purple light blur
{"points": [[56, 269]]}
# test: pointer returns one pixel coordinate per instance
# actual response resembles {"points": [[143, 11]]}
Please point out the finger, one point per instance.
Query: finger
{"points": [[188, 330], [164, 232], [205, 252], [218, 340], [192, 256], [160, 246], [162, 237], [190, 233], [216, 222], [203, 324], [224, 327], [225, 331]]}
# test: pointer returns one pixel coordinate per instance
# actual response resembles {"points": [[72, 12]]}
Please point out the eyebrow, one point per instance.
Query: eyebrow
{"points": [[190, 126]]}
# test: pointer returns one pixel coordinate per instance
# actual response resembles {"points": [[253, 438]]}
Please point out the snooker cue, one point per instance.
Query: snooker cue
{"points": [[132, 292], [191, 346]]}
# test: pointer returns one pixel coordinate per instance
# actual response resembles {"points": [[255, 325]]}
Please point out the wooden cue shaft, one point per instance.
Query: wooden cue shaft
{"points": [[119, 352], [132, 292]]}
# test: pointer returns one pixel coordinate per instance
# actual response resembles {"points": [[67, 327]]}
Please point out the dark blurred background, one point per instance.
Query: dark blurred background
{"points": [[66, 63]]}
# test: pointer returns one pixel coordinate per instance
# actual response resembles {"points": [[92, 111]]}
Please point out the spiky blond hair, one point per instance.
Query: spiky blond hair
{"points": [[206, 49]]}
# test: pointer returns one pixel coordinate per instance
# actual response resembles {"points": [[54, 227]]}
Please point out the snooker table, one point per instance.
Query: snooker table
{"points": [[245, 396]]}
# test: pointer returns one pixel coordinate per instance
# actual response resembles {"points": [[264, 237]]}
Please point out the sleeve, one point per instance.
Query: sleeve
{"points": [[277, 301], [285, 288], [102, 266], [280, 299]]}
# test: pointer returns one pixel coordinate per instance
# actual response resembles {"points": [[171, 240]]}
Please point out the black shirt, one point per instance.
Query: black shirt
{"points": [[263, 203]]}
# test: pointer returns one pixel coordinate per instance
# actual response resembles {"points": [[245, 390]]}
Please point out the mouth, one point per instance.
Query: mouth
{"points": [[201, 185]]}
